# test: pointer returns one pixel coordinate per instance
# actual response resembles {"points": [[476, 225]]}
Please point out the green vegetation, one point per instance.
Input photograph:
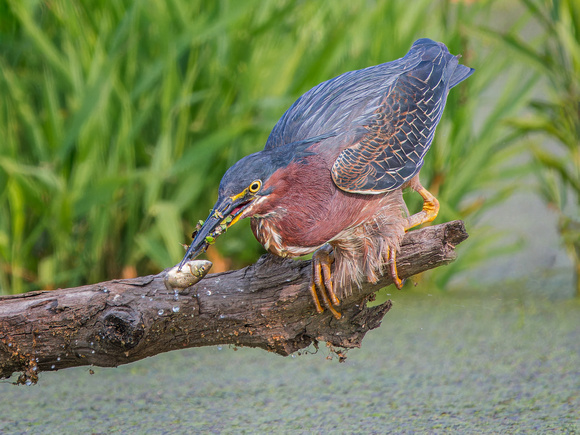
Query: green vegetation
{"points": [[118, 119], [557, 116]]}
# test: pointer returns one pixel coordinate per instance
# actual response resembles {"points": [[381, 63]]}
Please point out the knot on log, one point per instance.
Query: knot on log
{"points": [[122, 329]]}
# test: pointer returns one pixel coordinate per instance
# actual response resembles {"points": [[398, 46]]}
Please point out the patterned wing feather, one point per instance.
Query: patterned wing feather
{"points": [[401, 129]]}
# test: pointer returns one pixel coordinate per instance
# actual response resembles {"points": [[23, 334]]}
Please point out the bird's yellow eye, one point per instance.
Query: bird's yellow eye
{"points": [[255, 186]]}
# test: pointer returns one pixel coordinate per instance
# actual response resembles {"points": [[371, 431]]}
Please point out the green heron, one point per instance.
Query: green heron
{"points": [[331, 175]]}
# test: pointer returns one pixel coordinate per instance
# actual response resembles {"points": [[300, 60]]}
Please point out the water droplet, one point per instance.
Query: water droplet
{"points": [[52, 366], [293, 356], [92, 344], [142, 296], [175, 297], [92, 351], [160, 312], [9, 344], [28, 382], [176, 309], [222, 317], [208, 293], [219, 348], [105, 290], [35, 368], [58, 359], [150, 299]]}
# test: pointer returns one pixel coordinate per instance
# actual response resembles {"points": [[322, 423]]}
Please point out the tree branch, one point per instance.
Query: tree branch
{"points": [[265, 305]]}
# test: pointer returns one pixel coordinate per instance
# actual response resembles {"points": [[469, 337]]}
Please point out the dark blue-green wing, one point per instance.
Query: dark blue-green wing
{"points": [[400, 131], [339, 105]]}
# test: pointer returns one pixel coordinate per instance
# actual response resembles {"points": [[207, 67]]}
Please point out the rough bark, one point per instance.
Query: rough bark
{"points": [[265, 305]]}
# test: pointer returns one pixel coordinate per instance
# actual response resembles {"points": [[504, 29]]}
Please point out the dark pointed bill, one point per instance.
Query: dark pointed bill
{"points": [[224, 214]]}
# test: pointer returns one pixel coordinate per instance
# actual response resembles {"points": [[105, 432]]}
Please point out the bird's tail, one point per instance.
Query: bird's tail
{"points": [[460, 74], [431, 49]]}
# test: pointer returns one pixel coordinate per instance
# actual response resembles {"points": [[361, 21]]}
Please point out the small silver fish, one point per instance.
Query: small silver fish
{"points": [[191, 272]]}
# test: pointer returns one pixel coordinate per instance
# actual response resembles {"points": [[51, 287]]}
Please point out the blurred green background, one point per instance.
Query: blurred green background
{"points": [[118, 119]]}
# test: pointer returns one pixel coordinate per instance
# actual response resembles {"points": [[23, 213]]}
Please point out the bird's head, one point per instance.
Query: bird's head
{"points": [[248, 189], [243, 187]]}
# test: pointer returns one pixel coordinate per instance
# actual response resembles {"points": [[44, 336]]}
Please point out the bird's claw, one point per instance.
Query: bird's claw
{"points": [[429, 211], [322, 281]]}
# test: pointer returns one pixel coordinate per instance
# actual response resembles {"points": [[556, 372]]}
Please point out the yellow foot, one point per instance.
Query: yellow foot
{"points": [[427, 214], [430, 208], [393, 269], [321, 281]]}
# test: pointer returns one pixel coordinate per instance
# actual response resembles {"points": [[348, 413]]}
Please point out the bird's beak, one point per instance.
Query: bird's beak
{"points": [[225, 213]]}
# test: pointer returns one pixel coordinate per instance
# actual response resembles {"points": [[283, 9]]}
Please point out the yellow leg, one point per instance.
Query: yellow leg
{"points": [[322, 281], [427, 214], [319, 308], [430, 208], [393, 269]]}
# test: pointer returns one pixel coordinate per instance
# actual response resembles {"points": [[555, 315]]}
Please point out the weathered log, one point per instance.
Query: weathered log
{"points": [[265, 305]]}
